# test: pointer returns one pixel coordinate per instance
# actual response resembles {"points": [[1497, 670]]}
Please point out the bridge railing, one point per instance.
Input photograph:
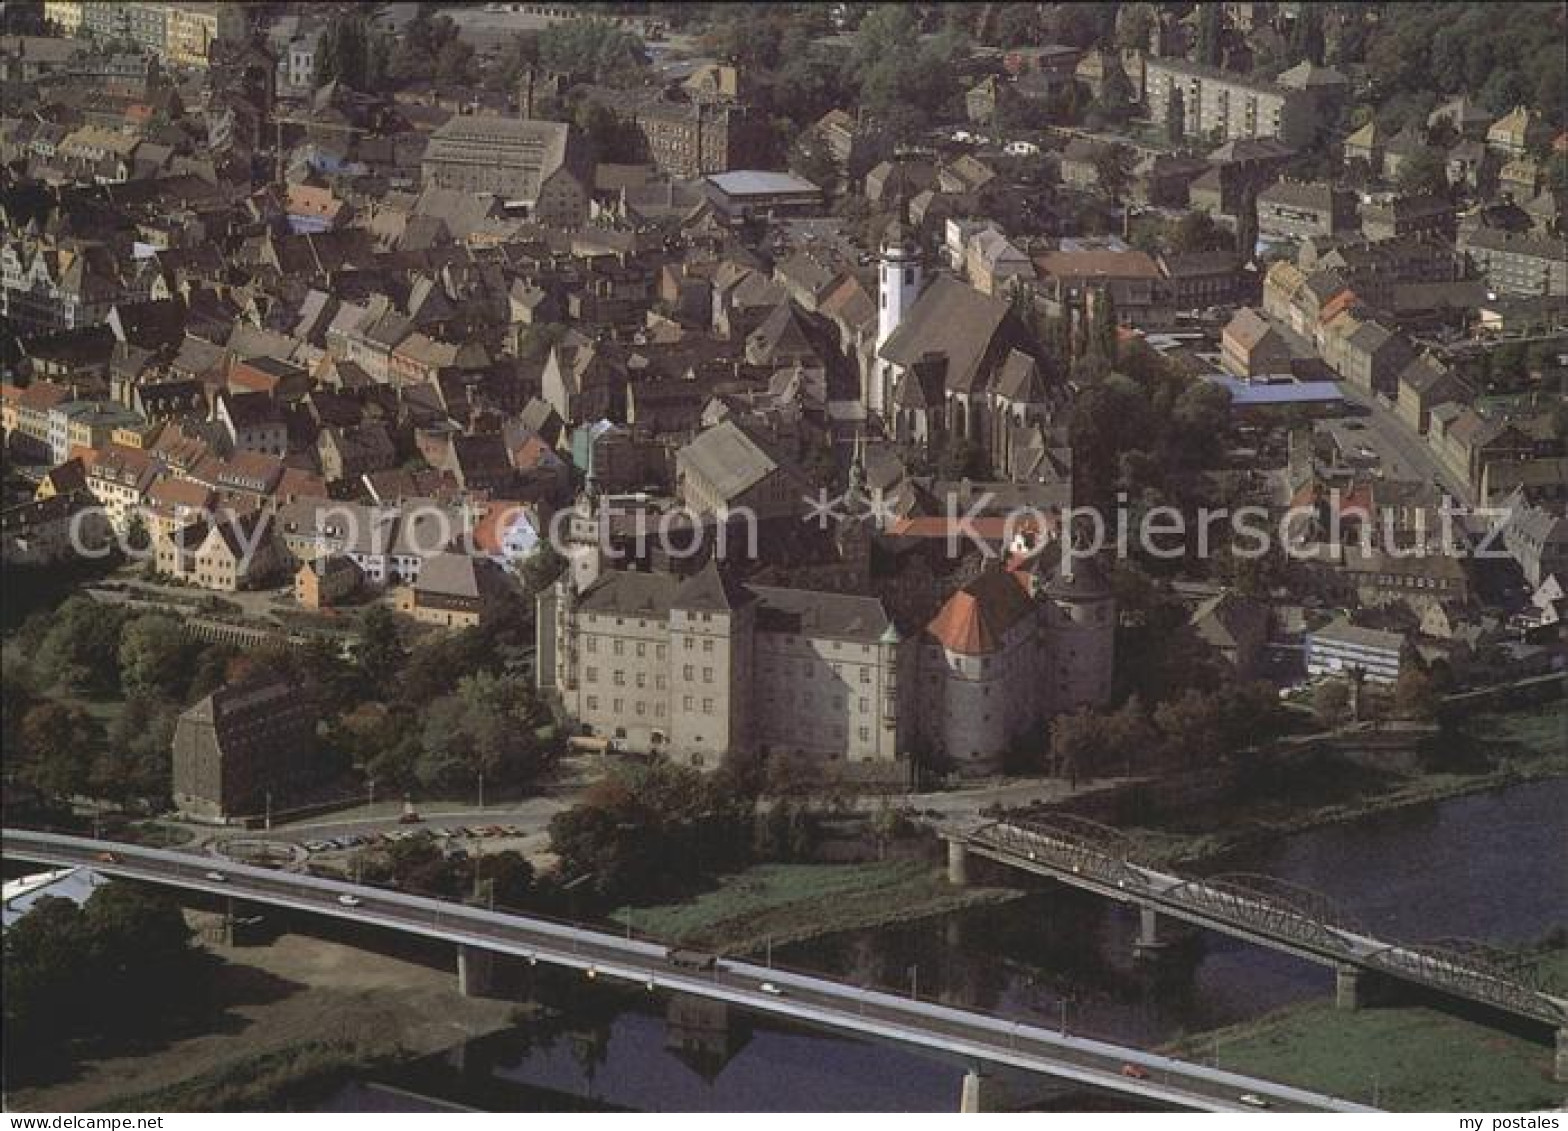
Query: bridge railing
{"points": [[1274, 907]]}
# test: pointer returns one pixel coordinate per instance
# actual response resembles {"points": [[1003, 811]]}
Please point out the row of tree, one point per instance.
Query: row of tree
{"points": [[1192, 730]]}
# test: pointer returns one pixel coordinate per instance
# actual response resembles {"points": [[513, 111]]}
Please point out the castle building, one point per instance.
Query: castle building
{"points": [[694, 669]]}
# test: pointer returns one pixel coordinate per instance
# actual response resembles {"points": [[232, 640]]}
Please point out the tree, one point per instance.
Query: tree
{"points": [[59, 742], [1306, 35], [542, 568], [122, 962], [596, 46], [155, 657], [646, 832], [1415, 693], [379, 653], [1197, 231], [507, 877], [454, 62], [1078, 745], [488, 729], [1331, 702], [1129, 735], [1134, 24], [80, 650], [1424, 173], [1113, 169], [1211, 30], [135, 763], [343, 54]]}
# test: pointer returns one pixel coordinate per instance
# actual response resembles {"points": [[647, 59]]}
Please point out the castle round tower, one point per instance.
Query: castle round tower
{"points": [[1080, 635]]}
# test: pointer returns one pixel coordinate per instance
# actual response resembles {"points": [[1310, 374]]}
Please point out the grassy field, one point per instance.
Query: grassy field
{"points": [[787, 902], [1418, 1059], [298, 1071]]}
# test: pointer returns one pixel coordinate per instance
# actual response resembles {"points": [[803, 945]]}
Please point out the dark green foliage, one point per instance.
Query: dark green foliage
{"points": [[649, 832], [120, 964]]}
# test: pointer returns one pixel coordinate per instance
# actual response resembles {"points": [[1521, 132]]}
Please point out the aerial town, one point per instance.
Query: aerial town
{"points": [[664, 557]]}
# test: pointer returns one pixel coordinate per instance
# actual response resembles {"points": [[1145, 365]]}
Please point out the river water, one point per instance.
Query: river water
{"points": [[1489, 866]]}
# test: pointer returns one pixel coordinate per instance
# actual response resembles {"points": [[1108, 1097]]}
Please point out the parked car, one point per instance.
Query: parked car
{"points": [[1135, 1072], [217, 877], [348, 900], [771, 988], [1252, 1100]]}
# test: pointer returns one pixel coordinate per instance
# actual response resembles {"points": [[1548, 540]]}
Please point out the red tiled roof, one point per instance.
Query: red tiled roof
{"points": [[975, 620]]}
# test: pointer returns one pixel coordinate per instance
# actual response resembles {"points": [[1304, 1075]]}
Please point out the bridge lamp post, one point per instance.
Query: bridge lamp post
{"points": [[914, 982]]}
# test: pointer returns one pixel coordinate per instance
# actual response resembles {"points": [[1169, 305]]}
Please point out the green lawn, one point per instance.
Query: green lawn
{"points": [[1418, 1059], [794, 901]]}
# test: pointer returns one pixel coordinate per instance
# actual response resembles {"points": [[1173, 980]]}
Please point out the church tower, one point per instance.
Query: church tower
{"points": [[898, 286]]}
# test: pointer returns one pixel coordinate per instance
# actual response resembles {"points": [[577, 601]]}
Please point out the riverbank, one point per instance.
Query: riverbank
{"points": [[1414, 1058], [289, 1015], [1520, 746], [785, 903]]}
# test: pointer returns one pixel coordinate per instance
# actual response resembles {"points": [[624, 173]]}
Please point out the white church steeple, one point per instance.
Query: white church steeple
{"points": [[899, 281]]}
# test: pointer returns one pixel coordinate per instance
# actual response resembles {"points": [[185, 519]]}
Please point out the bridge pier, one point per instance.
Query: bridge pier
{"points": [[957, 863], [982, 1092], [1349, 992], [475, 971], [1560, 1067], [1148, 940]]}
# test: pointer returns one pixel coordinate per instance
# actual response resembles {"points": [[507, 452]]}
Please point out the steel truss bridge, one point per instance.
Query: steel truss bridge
{"points": [[1263, 910]]}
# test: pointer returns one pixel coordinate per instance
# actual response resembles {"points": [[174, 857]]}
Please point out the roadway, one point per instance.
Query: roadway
{"points": [[968, 1036]]}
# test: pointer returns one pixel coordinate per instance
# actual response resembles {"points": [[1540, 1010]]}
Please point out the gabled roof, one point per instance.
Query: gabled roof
{"points": [[951, 319], [711, 589], [975, 620]]}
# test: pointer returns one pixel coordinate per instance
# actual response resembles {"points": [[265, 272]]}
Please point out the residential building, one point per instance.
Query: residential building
{"points": [[513, 158], [324, 582], [1344, 649], [1252, 346], [453, 590], [1537, 538], [1220, 104], [1300, 210], [1518, 263]]}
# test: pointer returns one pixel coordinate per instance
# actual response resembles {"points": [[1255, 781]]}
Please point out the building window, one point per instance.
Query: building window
{"points": [[686, 702], [707, 675], [593, 702], [707, 706], [591, 675]]}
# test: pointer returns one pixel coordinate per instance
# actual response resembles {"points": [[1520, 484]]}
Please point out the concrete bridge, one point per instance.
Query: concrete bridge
{"points": [[1261, 910], [975, 1039]]}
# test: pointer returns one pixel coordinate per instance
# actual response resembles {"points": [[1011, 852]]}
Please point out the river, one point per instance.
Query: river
{"points": [[1488, 866]]}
